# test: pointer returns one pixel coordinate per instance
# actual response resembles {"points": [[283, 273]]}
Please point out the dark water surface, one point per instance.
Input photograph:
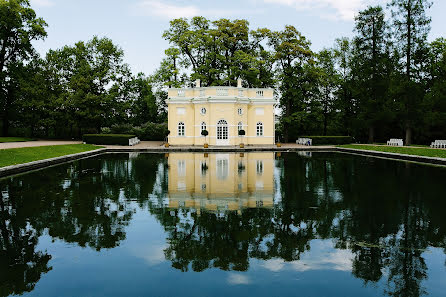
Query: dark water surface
{"points": [[256, 224]]}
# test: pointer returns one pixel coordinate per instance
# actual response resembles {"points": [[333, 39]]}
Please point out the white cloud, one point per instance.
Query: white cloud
{"points": [[163, 9], [151, 254], [171, 11], [321, 257], [44, 3], [343, 9], [238, 279]]}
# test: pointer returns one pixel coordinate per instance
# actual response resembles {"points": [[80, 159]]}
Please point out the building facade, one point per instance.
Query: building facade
{"points": [[222, 111]]}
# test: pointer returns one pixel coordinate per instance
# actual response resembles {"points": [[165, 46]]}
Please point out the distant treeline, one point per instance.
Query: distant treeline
{"points": [[387, 81]]}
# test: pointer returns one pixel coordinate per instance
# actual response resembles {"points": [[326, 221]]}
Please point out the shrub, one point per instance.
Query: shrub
{"points": [[241, 133], [107, 139], [204, 133], [333, 140], [148, 131]]}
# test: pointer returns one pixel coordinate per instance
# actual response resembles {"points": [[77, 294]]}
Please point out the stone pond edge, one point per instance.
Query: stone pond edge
{"points": [[21, 168]]}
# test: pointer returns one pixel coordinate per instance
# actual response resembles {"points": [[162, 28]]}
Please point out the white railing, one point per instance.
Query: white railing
{"points": [[241, 93], [305, 141], [222, 92], [439, 144], [259, 93], [181, 93], [395, 142]]}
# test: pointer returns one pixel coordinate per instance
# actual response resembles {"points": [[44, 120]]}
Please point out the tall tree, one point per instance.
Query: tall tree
{"points": [[19, 27], [370, 66], [328, 81], [294, 60], [412, 26]]}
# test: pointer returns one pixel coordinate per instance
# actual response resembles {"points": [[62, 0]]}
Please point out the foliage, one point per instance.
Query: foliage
{"points": [[204, 133], [107, 139], [15, 139], [19, 27], [146, 132], [30, 154], [241, 132]]}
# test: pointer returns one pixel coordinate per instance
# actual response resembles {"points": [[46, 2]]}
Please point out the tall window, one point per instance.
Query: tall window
{"points": [[240, 126], [259, 129], [181, 129], [203, 126]]}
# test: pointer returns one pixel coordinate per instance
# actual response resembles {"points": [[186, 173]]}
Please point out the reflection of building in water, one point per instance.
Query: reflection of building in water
{"points": [[221, 181]]}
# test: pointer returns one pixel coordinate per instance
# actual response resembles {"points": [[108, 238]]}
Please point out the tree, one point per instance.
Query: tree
{"points": [[370, 73], [411, 29], [95, 81], [295, 71], [19, 27], [328, 81], [144, 106]]}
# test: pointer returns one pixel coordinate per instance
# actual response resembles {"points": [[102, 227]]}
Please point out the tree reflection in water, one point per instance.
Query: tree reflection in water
{"points": [[385, 213]]}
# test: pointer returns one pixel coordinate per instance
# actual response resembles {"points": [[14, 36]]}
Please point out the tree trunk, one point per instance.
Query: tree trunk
{"points": [[5, 127], [371, 134], [408, 135]]}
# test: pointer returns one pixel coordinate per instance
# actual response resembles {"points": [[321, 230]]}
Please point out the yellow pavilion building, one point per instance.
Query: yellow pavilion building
{"points": [[222, 111]]}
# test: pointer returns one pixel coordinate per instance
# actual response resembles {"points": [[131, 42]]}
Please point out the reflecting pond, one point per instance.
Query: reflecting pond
{"points": [[254, 224]]}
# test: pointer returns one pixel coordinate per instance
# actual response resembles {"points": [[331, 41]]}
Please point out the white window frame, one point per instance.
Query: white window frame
{"points": [[203, 110], [259, 129], [181, 129], [240, 111], [203, 127]]}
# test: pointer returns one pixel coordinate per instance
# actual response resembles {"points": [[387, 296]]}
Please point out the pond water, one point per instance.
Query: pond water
{"points": [[255, 224]]}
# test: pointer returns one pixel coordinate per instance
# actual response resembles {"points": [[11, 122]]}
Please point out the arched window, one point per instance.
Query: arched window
{"points": [[240, 126], [222, 130], [203, 126], [259, 129], [181, 129]]}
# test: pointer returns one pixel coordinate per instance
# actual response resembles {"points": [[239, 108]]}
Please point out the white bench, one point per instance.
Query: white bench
{"points": [[395, 142], [439, 144], [134, 141], [305, 141]]}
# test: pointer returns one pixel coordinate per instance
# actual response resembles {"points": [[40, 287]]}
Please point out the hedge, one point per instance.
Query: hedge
{"points": [[145, 132], [107, 139], [333, 140]]}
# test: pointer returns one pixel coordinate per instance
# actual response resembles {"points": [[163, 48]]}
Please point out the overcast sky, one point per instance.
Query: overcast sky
{"points": [[137, 25]]}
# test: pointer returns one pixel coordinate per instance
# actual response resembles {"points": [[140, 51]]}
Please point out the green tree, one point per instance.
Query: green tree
{"points": [[295, 71], [19, 27], [369, 67], [412, 26], [435, 101], [328, 82]]}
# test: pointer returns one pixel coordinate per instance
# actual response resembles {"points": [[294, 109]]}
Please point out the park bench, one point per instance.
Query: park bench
{"points": [[439, 144], [395, 142], [134, 141], [305, 141]]}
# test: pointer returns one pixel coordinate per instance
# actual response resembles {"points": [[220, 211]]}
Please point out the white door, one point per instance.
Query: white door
{"points": [[222, 133]]}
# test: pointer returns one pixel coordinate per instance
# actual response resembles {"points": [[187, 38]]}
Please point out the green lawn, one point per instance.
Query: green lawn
{"points": [[417, 151], [15, 139], [30, 154]]}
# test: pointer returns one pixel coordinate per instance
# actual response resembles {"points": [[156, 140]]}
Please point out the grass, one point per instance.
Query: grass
{"points": [[15, 139], [416, 151], [29, 154]]}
